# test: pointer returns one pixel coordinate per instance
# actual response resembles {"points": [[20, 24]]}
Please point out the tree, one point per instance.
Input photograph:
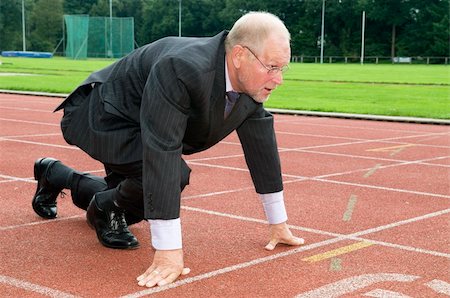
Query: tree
{"points": [[160, 19], [78, 6], [343, 28], [11, 25], [201, 17], [132, 8], [427, 33], [46, 25], [306, 29], [393, 13], [393, 27]]}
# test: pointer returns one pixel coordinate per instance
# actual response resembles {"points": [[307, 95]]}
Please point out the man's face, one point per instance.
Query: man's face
{"points": [[260, 72]]}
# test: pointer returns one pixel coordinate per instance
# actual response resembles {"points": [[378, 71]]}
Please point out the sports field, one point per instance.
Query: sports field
{"points": [[370, 198], [377, 89]]}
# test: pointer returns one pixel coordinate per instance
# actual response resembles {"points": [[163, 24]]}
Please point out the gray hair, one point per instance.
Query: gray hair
{"points": [[253, 28]]}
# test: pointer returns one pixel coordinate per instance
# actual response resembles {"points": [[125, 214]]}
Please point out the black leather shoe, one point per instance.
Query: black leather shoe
{"points": [[44, 200], [110, 226]]}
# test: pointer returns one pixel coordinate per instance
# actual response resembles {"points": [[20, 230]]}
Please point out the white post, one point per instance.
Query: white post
{"points": [[110, 30], [323, 31], [24, 46], [362, 35], [179, 18]]}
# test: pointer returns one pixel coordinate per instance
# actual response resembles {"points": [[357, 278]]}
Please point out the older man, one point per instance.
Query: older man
{"points": [[139, 115]]}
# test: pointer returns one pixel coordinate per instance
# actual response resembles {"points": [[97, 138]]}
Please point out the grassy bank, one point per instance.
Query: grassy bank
{"points": [[394, 90]]}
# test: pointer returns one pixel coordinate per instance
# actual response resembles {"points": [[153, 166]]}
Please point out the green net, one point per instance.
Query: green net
{"points": [[77, 36], [101, 37]]}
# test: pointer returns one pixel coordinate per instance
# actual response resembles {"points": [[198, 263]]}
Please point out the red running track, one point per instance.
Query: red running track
{"points": [[372, 200]]}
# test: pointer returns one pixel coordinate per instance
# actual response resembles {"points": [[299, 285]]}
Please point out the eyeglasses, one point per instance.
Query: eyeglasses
{"points": [[271, 70]]}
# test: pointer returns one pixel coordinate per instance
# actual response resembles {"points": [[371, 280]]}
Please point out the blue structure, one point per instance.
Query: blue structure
{"points": [[27, 54]]}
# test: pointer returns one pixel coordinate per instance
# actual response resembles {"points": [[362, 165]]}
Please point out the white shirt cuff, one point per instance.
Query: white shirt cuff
{"points": [[273, 204], [166, 234]]}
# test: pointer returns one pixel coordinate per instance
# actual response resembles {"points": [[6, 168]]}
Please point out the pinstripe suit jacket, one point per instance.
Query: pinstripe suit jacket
{"points": [[163, 100]]}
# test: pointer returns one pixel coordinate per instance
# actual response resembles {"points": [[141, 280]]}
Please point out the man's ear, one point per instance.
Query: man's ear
{"points": [[237, 55]]}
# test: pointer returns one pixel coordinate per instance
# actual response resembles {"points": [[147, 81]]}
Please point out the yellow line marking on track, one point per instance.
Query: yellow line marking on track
{"points": [[337, 252], [350, 206], [393, 149]]}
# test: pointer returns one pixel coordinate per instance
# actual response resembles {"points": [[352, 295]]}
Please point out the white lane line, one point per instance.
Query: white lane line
{"points": [[14, 137], [439, 286], [26, 109], [217, 193], [428, 139], [354, 236], [215, 158], [217, 166], [40, 143], [320, 178], [390, 139], [355, 283], [401, 222], [41, 222], [419, 162], [352, 128], [14, 179], [382, 293], [21, 284], [230, 269], [383, 188], [258, 260], [210, 194], [29, 122], [32, 180], [302, 178], [376, 158], [371, 140], [400, 246]]}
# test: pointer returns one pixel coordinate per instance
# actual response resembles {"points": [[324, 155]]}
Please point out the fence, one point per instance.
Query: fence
{"points": [[372, 59]]}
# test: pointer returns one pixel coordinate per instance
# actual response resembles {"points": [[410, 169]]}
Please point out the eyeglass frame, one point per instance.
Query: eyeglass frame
{"points": [[271, 70]]}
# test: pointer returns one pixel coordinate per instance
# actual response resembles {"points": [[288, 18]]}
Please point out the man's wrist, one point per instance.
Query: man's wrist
{"points": [[274, 208], [166, 234]]}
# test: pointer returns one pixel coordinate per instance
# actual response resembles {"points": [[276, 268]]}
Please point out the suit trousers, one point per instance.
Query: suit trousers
{"points": [[122, 184]]}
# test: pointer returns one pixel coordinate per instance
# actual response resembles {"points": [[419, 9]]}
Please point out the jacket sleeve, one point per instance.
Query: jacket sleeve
{"points": [[257, 136], [163, 115]]}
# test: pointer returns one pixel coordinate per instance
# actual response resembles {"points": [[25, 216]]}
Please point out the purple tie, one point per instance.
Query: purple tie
{"points": [[231, 98]]}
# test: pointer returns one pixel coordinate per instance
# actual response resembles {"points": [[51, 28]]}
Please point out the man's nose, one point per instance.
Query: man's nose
{"points": [[278, 78]]}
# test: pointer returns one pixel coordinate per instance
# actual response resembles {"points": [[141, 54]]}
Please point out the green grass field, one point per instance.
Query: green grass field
{"points": [[383, 89]]}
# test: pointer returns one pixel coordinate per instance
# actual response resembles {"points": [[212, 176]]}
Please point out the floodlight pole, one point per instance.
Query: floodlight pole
{"points": [[323, 32], [362, 35], [110, 27], [179, 18], [24, 46]]}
